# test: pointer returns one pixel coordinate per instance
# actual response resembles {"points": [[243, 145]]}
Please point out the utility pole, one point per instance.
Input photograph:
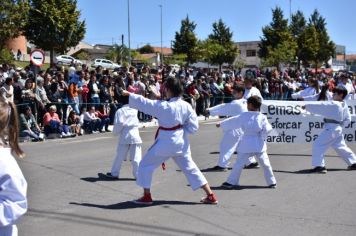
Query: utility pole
{"points": [[161, 38], [128, 27], [122, 49]]}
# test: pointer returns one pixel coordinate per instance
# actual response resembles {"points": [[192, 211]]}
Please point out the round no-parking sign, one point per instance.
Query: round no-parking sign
{"points": [[37, 57]]}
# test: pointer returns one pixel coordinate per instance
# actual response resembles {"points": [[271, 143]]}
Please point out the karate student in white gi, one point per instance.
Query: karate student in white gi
{"points": [[126, 126], [250, 89], [336, 116], [13, 186], [309, 91], [176, 120], [347, 84], [255, 127], [231, 137]]}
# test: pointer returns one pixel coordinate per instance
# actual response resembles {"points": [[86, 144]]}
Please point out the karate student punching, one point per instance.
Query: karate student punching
{"points": [[336, 116], [126, 126], [176, 120], [231, 137], [253, 143]]}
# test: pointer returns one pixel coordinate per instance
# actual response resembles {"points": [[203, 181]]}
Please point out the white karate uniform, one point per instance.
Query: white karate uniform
{"points": [[253, 91], [350, 90], [126, 125], [310, 91], [232, 137], [255, 127], [169, 143], [13, 188], [315, 97], [332, 133]]}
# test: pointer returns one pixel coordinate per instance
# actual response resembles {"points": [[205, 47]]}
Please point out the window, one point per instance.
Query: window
{"points": [[250, 53]]}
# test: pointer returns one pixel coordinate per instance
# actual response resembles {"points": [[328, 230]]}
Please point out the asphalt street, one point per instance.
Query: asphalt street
{"points": [[68, 195]]}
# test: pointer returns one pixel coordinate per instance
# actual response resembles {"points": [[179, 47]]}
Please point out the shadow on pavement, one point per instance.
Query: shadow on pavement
{"points": [[240, 187], [103, 177], [296, 155], [306, 171], [132, 205]]}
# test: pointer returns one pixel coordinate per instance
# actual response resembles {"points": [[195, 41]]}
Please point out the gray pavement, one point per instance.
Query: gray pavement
{"points": [[68, 197]]}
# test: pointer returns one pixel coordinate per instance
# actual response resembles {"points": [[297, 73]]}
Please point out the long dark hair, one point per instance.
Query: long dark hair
{"points": [[9, 128], [175, 86], [323, 93]]}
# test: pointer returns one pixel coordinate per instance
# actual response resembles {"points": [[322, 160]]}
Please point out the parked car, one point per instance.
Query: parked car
{"points": [[106, 64], [67, 60]]}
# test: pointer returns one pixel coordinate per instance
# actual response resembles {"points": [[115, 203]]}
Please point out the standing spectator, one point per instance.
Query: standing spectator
{"points": [[73, 92], [7, 91], [94, 90]]}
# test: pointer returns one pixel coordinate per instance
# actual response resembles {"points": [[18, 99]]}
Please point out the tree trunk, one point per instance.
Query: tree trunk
{"points": [[220, 66], [51, 55]]}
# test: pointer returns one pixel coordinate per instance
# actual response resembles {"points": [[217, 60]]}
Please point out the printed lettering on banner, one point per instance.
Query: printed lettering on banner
{"points": [[295, 125]]}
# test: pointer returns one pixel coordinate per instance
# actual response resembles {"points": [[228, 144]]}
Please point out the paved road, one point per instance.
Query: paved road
{"points": [[67, 196]]}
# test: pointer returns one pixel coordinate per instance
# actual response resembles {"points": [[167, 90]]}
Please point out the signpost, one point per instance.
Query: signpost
{"points": [[37, 58]]}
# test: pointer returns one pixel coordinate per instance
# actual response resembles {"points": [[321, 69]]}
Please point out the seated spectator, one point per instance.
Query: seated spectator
{"points": [[29, 126], [104, 117], [53, 125], [74, 123], [91, 123]]}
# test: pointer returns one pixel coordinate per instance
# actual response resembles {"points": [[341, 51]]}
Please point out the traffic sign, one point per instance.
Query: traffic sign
{"points": [[37, 57]]}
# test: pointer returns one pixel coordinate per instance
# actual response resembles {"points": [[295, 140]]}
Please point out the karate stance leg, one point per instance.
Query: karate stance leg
{"points": [[135, 157], [191, 171], [263, 160], [121, 152], [235, 174], [344, 151], [228, 145], [320, 146]]}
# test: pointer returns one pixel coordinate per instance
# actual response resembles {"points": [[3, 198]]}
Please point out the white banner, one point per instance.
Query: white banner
{"points": [[294, 125]]}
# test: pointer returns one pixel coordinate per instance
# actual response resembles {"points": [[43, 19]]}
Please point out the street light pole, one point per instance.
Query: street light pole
{"points": [[128, 27], [161, 38]]}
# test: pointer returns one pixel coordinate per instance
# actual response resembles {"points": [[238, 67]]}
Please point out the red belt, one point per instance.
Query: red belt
{"points": [[179, 126]]}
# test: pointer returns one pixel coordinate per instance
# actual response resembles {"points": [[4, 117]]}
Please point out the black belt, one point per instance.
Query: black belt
{"points": [[332, 121]]}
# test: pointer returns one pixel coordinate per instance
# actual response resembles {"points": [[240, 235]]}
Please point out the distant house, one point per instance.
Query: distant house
{"points": [[147, 58], [165, 51], [94, 52]]}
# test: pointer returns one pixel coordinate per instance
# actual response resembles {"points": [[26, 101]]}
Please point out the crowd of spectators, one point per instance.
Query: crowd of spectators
{"points": [[66, 102]]}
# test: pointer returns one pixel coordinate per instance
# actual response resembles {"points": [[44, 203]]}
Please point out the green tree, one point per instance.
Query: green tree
{"points": [[146, 49], [297, 26], [220, 47], [13, 17], [186, 42], [326, 46], [54, 25], [277, 44], [310, 44], [83, 55]]}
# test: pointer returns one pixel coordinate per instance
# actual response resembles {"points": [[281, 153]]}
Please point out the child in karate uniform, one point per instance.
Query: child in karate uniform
{"points": [[231, 137], [126, 125], [176, 120], [336, 115], [255, 127], [13, 186]]}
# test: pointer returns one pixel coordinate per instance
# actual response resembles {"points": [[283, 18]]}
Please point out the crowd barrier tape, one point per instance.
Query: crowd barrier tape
{"points": [[294, 125]]}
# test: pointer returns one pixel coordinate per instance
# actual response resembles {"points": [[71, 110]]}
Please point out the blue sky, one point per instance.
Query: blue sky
{"points": [[107, 19]]}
